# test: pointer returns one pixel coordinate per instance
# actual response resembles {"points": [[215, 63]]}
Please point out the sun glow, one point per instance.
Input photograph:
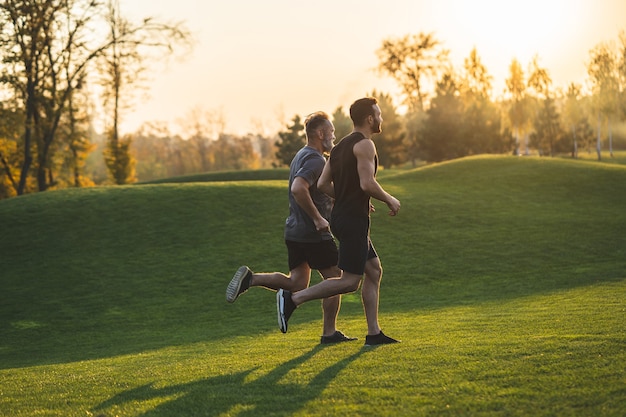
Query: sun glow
{"points": [[263, 63], [505, 30]]}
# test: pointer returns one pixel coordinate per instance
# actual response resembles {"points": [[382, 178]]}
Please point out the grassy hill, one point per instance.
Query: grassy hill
{"points": [[504, 278]]}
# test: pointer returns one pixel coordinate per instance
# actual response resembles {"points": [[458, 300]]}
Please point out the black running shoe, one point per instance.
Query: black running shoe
{"points": [[284, 307], [379, 339], [336, 337], [238, 284]]}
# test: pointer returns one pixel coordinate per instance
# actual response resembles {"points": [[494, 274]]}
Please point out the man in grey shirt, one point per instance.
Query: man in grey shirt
{"points": [[310, 244]]}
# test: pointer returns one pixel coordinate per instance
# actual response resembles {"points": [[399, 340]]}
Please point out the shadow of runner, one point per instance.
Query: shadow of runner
{"points": [[231, 393]]}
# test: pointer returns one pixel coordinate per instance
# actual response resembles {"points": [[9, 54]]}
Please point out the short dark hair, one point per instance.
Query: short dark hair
{"points": [[360, 109], [314, 121]]}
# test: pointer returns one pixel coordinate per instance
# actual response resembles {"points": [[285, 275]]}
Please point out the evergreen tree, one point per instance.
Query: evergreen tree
{"points": [[342, 123], [548, 137], [290, 142], [390, 142], [442, 132]]}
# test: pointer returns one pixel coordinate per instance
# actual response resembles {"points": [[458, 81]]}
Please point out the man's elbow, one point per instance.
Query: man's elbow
{"points": [[366, 186]]}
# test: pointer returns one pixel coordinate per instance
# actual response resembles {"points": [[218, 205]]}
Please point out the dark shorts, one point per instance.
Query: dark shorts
{"points": [[355, 246], [319, 255]]}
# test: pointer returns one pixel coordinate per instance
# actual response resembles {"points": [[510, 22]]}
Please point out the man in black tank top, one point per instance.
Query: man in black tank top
{"points": [[309, 242], [350, 177]]}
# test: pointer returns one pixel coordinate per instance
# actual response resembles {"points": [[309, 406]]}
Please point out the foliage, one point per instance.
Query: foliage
{"points": [[503, 277], [461, 121], [47, 51], [548, 137], [10, 121], [290, 142], [412, 60], [604, 72], [46, 55], [161, 155], [51, 51], [442, 130], [342, 123], [119, 161], [390, 142], [122, 64]]}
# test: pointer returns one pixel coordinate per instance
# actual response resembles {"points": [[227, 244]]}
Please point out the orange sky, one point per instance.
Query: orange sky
{"points": [[258, 63]]}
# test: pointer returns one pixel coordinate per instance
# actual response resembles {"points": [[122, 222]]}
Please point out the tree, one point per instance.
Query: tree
{"points": [[546, 117], [46, 51], [342, 123], [476, 82], [203, 127], [481, 119], [47, 47], [622, 73], [539, 79], [573, 115], [518, 110], [602, 69], [10, 121], [390, 142], [548, 135], [123, 63], [76, 131], [290, 142], [413, 60], [442, 132]]}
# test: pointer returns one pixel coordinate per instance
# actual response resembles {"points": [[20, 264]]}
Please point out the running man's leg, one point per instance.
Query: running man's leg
{"points": [[370, 294], [298, 279], [330, 305]]}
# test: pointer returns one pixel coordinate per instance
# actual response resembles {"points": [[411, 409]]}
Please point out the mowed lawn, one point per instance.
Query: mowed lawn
{"points": [[504, 277]]}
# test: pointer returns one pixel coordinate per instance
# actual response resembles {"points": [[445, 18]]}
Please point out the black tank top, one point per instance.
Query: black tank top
{"points": [[350, 199]]}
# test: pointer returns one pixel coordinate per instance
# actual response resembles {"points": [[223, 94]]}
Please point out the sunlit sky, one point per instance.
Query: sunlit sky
{"points": [[259, 63]]}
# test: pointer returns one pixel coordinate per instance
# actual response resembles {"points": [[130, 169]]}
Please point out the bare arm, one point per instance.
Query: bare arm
{"points": [[365, 152], [300, 191], [325, 181]]}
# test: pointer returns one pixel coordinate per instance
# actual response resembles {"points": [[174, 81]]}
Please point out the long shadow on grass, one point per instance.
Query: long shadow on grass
{"points": [[233, 393]]}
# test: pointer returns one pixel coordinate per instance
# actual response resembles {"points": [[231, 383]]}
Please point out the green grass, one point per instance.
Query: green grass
{"points": [[260, 174], [504, 278], [619, 156]]}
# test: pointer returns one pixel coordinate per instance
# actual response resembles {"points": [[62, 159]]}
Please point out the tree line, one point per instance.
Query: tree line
{"points": [[57, 53]]}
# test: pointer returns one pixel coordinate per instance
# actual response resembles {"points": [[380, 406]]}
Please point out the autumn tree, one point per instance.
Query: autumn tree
{"points": [[47, 49], [518, 109], [573, 116], [290, 142], [548, 135], [11, 118], [75, 133], [123, 62], [413, 61], [481, 118], [46, 53], [622, 72], [203, 127], [602, 70]]}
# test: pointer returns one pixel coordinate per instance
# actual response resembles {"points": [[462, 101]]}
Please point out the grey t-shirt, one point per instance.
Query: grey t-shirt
{"points": [[299, 227]]}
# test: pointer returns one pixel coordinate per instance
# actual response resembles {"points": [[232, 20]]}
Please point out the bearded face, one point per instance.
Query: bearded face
{"points": [[376, 125]]}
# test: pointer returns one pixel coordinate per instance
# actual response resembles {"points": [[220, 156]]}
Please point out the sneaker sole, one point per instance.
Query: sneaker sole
{"points": [[381, 343], [280, 309], [232, 291]]}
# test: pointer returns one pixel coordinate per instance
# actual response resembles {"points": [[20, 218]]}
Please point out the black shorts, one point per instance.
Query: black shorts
{"points": [[355, 246], [319, 255]]}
